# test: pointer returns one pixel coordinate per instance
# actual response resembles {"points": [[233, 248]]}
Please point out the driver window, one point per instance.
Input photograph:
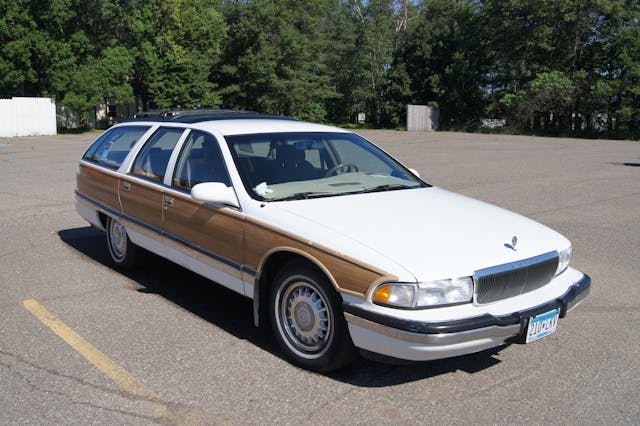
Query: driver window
{"points": [[200, 161]]}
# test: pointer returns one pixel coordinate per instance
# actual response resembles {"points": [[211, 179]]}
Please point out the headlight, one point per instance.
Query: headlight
{"points": [[426, 294], [401, 295], [564, 257]]}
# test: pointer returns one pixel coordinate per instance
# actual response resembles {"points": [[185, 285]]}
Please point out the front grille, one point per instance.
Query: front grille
{"points": [[504, 281]]}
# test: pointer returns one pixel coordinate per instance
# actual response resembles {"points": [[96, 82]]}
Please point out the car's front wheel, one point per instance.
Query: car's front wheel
{"points": [[307, 319], [123, 252]]}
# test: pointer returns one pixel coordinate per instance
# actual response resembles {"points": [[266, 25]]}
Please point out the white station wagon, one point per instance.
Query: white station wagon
{"points": [[341, 247]]}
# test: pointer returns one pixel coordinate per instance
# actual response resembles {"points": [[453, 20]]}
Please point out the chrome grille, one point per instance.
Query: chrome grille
{"points": [[504, 281]]}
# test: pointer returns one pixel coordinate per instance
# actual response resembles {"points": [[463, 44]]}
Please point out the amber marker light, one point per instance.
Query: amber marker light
{"points": [[382, 294]]}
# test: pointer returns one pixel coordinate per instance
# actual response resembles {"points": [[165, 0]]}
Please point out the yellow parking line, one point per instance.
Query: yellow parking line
{"points": [[102, 362]]}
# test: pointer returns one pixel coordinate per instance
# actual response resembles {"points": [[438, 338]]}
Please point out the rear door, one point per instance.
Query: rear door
{"points": [[141, 190]]}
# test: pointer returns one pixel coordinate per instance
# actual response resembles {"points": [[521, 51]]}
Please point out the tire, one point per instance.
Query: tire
{"points": [[307, 319], [124, 253]]}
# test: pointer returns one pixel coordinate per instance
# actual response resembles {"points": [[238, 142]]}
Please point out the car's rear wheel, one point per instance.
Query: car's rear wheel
{"points": [[123, 252], [307, 319]]}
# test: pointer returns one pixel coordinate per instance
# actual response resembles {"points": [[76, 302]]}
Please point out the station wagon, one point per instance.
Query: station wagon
{"points": [[341, 248]]}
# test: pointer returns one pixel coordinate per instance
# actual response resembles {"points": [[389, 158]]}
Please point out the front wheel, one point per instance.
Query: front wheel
{"points": [[123, 252], [307, 319]]}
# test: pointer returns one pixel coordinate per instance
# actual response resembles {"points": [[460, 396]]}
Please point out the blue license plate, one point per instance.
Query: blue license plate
{"points": [[542, 325]]}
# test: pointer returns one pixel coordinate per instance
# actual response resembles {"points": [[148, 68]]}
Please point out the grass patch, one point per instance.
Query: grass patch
{"points": [[78, 131]]}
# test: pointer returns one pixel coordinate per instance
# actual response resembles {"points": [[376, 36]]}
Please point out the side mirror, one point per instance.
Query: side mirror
{"points": [[415, 172], [215, 192]]}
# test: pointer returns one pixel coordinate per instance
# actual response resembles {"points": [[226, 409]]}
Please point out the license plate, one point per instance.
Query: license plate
{"points": [[542, 325]]}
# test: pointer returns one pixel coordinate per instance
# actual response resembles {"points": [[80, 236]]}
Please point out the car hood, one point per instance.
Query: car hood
{"points": [[429, 232]]}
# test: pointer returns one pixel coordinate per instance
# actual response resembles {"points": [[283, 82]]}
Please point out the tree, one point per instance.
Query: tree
{"points": [[16, 27], [275, 60], [176, 45], [445, 58], [551, 96], [588, 42], [627, 40], [374, 23], [548, 64], [92, 83]]}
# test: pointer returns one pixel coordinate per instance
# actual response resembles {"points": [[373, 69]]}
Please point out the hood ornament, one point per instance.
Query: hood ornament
{"points": [[514, 242]]}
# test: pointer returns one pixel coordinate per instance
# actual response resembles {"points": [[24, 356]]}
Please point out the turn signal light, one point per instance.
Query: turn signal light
{"points": [[382, 294]]}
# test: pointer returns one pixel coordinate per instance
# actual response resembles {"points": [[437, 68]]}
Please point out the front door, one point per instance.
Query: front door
{"points": [[208, 239]]}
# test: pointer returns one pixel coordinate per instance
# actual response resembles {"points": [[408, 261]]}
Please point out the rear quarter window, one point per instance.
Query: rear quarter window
{"points": [[110, 149]]}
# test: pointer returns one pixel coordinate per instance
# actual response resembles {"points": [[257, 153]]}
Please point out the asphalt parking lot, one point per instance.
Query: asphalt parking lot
{"points": [[81, 343]]}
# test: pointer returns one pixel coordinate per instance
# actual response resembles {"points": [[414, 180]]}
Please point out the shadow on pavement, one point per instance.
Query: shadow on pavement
{"points": [[234, 314], [627, 164]]}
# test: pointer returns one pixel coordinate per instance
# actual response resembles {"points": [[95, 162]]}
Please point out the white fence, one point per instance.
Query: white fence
{"points": [[422, 118], [27, 117]]}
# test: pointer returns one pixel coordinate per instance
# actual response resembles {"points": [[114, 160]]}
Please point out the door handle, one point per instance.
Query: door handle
{"points": [[126, 186], [168, 201]]}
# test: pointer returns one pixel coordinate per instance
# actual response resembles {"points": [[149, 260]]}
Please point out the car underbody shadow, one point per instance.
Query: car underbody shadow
{"points": [[233, 313], [368, 373]]}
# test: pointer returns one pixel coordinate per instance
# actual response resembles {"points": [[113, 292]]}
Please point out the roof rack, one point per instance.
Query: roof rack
{"points": [[189, 112], [199, 115]]}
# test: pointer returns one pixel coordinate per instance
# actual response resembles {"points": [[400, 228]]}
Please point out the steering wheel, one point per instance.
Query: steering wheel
{"points": [[348, 167]]}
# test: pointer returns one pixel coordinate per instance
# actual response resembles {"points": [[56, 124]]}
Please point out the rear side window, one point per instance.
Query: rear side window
{"points": [[152, 161], [110, 149]]}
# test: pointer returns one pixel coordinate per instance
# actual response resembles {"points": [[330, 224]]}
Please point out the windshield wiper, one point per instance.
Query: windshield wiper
{"points": [[387, 187], [302, 196]]}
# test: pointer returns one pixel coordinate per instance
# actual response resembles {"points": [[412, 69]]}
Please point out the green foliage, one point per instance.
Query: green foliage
{"points": [[15, 39], [551, 92], [374, 24], [574, 50], [275, 58], [177, 44], [544, 65], [549, 95], [445, 58]]}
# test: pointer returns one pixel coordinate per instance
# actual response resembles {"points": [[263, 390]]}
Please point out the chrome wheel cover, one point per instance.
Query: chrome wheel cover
{"points": [[117, 240], [304, 315]]}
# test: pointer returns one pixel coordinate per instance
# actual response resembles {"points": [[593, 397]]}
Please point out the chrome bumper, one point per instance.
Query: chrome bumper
{"points": [[414, 340]]}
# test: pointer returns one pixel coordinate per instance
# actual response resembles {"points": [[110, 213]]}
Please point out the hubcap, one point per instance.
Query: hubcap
{"points": [[117, 240], [305, 316]]}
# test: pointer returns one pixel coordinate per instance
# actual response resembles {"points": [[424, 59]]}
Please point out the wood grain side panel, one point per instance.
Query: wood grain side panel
{"points": [[143, 202], [346, 274], [212, 228], [99, 185]]}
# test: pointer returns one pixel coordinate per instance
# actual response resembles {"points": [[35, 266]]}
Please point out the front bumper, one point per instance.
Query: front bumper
{"points": [[421, 341]]}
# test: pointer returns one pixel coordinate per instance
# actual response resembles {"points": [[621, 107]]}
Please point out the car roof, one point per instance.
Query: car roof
{"points": [[244, 127], [231, 122]]}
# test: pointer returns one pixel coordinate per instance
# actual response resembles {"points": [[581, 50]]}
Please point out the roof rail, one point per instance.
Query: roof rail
{"points": [[190, 112], [200, 115]]}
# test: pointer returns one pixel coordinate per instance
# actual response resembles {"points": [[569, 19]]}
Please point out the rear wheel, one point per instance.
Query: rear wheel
{"points": [[307, 319], [123, 252]]}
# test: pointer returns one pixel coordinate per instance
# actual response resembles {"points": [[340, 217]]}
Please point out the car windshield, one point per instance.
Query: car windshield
{"points": [[289, 166]]}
